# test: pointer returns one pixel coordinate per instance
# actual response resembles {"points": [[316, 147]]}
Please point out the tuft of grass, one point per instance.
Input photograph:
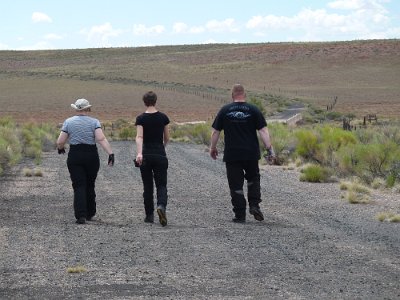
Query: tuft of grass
{"points": [[357, 198], [77, 269], [38, 172], [378, 183], [356, 193], [27, 172], [388, 217]]}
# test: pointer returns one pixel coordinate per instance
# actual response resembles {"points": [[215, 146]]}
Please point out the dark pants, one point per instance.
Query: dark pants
{"points": [[83, 164], [154, 168], [237, 172]]}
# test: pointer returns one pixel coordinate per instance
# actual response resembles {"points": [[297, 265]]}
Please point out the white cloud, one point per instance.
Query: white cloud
{"points": [[227, 25], [38, 17], [101, 34], [184, 28], [52, 36], [362, 18], [140, 29], [180, 27]]}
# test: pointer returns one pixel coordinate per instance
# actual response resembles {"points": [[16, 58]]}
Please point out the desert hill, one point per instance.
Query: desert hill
{"points": [[194, 80]]}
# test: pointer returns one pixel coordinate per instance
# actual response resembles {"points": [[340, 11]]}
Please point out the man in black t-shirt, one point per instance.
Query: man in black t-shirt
{"points": [[240, 122], [151, 138]]}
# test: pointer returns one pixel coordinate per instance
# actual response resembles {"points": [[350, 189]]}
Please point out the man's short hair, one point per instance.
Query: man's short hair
{"points": [[237, 90], [150, 98]]}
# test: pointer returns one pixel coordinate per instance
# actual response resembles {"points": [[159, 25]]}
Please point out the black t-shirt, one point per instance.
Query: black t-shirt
{"points": [[240, 122], [153, 131]]}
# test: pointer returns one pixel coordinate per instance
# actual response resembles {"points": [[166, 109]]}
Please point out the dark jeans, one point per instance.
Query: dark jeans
{"points": [[83, 164], [154, 170], [237, 172]]}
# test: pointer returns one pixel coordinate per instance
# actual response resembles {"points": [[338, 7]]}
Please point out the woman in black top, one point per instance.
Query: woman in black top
{"points": [[151, 138]]}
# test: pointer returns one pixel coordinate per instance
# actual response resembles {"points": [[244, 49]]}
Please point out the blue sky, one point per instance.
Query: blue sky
{"points": [[70, 24]]}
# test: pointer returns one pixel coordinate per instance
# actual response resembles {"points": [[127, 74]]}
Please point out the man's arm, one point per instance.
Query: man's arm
{"points": [[214, 140], [264, 135]]}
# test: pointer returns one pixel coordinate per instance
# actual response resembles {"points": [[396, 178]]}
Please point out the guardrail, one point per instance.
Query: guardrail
{"points": [[290, 121]]}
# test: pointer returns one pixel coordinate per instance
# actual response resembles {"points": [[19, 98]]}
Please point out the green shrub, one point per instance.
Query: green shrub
{"points": [[200, 134], [259, 103], [127, 133], [315, 173], [195, 133], [282, 140], [375, 159], [307, 144], [332, 140]]}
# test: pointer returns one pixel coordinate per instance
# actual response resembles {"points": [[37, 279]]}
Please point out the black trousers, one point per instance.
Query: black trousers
{"points": [[83, 164], [154, 170], [237, 172]]}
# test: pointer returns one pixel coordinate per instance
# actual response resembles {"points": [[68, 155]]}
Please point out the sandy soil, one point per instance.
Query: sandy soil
{"points": [[312, 244]]}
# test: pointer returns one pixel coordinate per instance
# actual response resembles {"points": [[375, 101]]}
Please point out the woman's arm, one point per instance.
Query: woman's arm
{"points": [[101, 139], [166, 135], [139, 144], [62, 139]]}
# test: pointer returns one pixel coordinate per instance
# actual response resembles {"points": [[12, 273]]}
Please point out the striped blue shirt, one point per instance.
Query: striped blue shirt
{"points": [[80, 129]]}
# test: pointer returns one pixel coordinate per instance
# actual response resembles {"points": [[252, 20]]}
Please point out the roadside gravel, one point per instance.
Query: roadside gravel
{"points": [[312, 244]]}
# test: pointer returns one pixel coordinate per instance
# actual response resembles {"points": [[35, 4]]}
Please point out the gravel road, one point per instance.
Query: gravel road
{"points": [[312, 244]]}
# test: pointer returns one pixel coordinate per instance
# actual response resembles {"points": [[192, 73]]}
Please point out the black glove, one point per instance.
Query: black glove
{"points": [[271, 152], [111, 159], [270, 157], [61, 151]]}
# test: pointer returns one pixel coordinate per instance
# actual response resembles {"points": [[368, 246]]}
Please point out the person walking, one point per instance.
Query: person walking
{"points": [[151, 138], [240, 122], [83, 132]]}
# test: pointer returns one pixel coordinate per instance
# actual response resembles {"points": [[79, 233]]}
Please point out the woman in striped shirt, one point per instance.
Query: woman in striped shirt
{"points": [[83, 132]]}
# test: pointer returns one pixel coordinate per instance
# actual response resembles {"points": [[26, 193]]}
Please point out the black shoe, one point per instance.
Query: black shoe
{"points": [[162, 215], [256, 212], [91, 218], [149, 219], [239, 220], [81, 220]]}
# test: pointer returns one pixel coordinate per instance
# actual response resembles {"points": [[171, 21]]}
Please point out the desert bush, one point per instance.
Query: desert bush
{"points": [[282, 141], [375, 160], [200, 134], [38, 138], [10, 144], [259, 104], [308, 144], [195, 133], [333, 115], [127, 133], [332, 140], [29, 140], [315, 173]]}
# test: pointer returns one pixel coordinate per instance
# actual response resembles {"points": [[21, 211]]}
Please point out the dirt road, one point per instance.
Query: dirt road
{"points": [[312, 245]]}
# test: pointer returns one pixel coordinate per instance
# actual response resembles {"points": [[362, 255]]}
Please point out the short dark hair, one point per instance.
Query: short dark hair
{"points": [[237, 90], [150, 98]]}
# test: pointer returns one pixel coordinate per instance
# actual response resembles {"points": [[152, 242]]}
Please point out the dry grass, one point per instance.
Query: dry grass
{"points": [[388, 217], [193, 81], [77, 269], [355, 193]]}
